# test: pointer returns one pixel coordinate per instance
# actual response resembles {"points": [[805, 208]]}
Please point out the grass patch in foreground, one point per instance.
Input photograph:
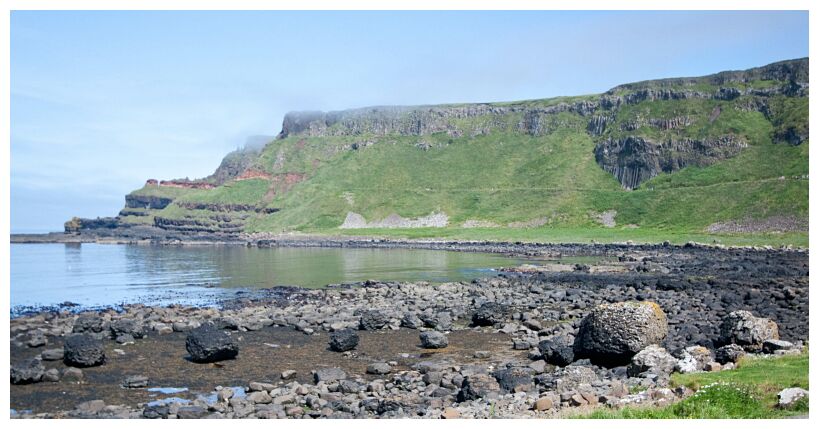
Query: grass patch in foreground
{"points": [[748, 392]]}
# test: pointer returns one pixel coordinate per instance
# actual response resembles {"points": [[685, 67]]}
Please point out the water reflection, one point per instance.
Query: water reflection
{"points": [[93, 274]]}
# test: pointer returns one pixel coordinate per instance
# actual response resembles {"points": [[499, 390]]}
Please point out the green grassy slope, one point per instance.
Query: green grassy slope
{"points": [[499, 175]]}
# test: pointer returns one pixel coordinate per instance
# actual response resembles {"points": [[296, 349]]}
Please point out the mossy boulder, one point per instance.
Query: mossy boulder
{"points": [[611, 334]]}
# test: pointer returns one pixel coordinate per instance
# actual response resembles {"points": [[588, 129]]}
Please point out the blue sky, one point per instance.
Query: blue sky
{"points": [[102, 101]]}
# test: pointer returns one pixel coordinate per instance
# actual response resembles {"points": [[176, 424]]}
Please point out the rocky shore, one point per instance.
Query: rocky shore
{"points": [[538, 343]]}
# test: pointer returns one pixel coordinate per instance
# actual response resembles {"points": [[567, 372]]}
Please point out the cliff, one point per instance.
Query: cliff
{"points": [[679, 152]]}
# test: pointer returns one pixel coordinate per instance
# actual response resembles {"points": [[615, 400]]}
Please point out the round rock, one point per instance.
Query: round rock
{"points": [[611, 334], [27, 372]]}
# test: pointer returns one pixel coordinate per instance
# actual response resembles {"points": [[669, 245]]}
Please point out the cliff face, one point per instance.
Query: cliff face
{"points": [[537, 162], [632, 159]]}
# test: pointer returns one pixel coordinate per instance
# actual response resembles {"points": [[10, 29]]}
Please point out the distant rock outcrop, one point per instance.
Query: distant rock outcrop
{"points": [[633, 160]]}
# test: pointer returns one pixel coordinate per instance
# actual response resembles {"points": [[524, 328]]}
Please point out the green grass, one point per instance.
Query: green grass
{"points": [[748, 392]]}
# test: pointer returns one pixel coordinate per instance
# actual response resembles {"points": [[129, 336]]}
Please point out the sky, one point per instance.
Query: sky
{"points": [[102, 101]]}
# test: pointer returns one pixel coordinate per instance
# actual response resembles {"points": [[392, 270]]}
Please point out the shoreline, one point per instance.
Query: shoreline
{"points": [[501, 364], [318, 240]]}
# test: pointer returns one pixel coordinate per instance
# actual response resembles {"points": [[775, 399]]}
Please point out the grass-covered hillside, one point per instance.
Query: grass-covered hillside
{"points": [[722, 157]]}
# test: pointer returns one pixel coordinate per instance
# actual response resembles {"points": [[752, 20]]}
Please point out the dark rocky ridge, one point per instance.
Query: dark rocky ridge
{"points": [[633, 160]]}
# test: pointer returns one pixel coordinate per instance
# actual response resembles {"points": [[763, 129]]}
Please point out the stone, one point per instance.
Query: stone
{"points": [[744, 329], [412, 321], [90, 407], [611, 334], [450, 413], [83, 350], [538, 366], [135, 382], [27, 372], [772, 346], [653, 359], [208, 344], [129, 327], [52, 375], [482, 354], [693, 359], [787, 397], [372, 320], [52, 354], [329, 374], [433, 340], [288, 375], [558, 350], [73, 375], [88, 323], [37, 339], [544, 404], [729, 353], [513, 379], [225, 394], [712, 367], [343, 340], [191, 412], [378, 368], [260, 397], [489, 314], [479, 386]]}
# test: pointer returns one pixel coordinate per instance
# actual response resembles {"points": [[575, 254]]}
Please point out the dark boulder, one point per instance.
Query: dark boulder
{"points": [[433, 340], [125, 327], [83, 350], [558, 350], [372, 320], [489, 314], [88, 323], [208, 344], [343, 340], [729, 353], [611, 334], [514, 379], [27, 372], [479, 386]]}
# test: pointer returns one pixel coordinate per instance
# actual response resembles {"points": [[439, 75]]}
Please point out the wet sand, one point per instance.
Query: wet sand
{"points": [[163, 359]]}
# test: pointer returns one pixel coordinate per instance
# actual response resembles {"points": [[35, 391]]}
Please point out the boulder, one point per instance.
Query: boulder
{"points": [[135, 382], [729, 353], [328, 375], [746, 330], [343, 340], [372, 320], [789, 396], [83, 350], [88, 323], [558, 350], [208, 344], [433, 340], [514, 379], [489, 314], [52, 354], [611, 334], [27, 372], [479, 386], [693, 359], [126, 327], [379, 368], [652, 359], [412, 321], [772, 346]]}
